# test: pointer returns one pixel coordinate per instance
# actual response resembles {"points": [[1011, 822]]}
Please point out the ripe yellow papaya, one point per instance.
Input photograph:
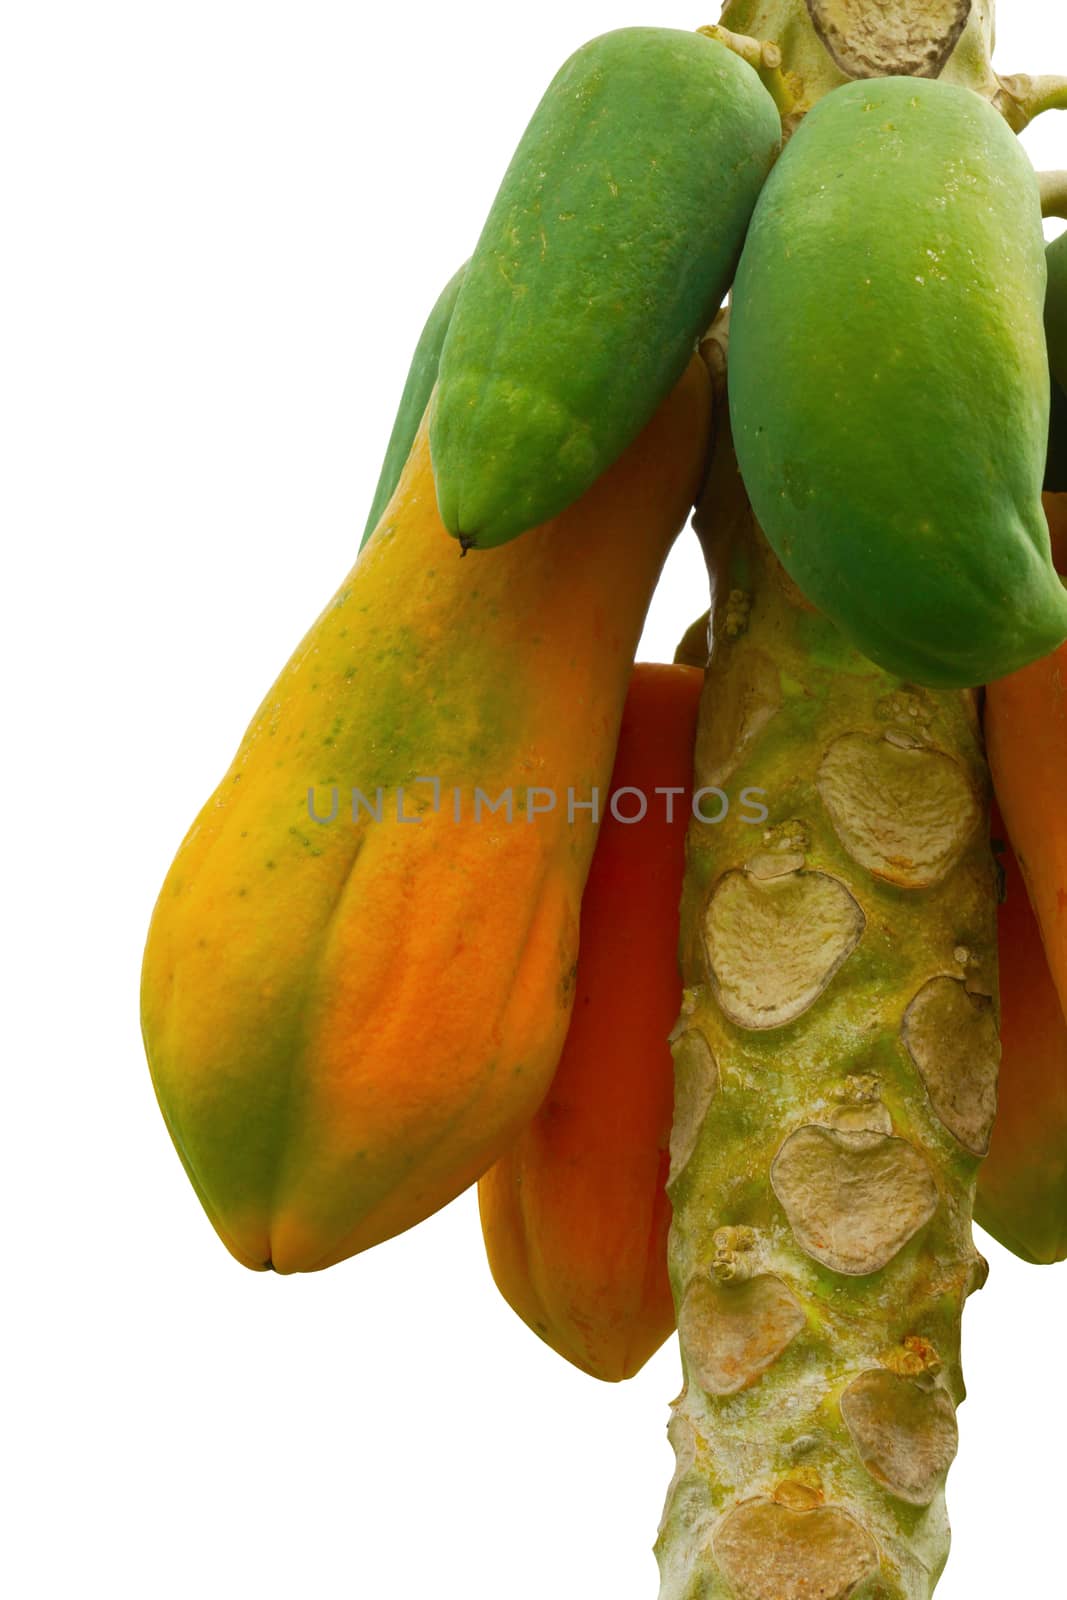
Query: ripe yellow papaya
{"points": [[358, 976], [1022, 1183], [575, 1213], [1026, 741]]}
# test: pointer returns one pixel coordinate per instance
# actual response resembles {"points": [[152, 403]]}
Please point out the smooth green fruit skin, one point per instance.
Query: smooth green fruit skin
{"points": [[889, 385], [609, 247], [422, 375]]}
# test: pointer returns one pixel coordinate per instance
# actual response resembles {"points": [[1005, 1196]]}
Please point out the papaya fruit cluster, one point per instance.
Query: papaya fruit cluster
{"points": [[362, 964], [406, 946]]}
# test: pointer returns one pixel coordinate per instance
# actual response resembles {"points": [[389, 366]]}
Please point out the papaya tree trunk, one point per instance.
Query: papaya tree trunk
{"points": [[836, 1057], [836, 1063], [804, 48], [818, 44], [837, 1052]]}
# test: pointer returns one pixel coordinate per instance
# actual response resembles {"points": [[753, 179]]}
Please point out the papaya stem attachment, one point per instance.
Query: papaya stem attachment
{"points": [[1053, 186], [1020, 98], [713, 349], [764, 56]]}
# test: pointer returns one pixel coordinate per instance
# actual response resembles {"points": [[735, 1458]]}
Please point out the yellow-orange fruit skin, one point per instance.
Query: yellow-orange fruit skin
{"points": [[1022, 1183], [1026, 742], [575, 1214], [346, 1023]]}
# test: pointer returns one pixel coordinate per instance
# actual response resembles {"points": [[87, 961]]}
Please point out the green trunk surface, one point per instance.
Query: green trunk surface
{"points": [[836, 1063]]}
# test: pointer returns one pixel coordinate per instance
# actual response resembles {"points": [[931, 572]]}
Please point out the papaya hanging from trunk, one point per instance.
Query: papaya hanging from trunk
{"points": [[351, 1000], [575, 1213], [1022, 1184], [558, 1263], [889, 381], [611, 242], [566, 1210], [1023, 1189], [1026, 742]]}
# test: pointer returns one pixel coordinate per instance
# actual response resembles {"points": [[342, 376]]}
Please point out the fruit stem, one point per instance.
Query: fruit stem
{"points": [[1020, 98], [824, 43], [1053, 187], [765, 57]]}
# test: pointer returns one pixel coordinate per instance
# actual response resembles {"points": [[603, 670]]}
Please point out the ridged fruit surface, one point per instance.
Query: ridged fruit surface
{"points": [[575, 1213], [1022, 1183], [1026, 742], [348, 1021]]}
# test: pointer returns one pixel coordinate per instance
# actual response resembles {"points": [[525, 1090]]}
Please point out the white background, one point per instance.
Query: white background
{"points": [[223, 226]]}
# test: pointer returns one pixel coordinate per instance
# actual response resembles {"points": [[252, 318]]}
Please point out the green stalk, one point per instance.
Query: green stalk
{"points": [[1053, 193], [837, 1052], [818, 44], [836, 1065], [804, 48]]}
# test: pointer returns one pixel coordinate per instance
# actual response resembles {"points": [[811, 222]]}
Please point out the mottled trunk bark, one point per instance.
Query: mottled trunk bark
{"points": [[823, 43], [836, 1084], [837, 1053]]}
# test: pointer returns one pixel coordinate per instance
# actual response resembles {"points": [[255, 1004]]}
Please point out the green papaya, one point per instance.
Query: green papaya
{"points": [[609, 246], [889, 387], [422, 375]]}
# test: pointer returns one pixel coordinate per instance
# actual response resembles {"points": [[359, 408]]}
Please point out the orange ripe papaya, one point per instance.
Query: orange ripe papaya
{"points": [[575, 1214], [347, 1017], [1022, 1183], [1026, 743]]}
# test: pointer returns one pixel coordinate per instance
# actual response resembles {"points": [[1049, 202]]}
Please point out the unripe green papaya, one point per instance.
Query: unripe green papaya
{"points": [[889, 389], [611, 242], [422, 375]]}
